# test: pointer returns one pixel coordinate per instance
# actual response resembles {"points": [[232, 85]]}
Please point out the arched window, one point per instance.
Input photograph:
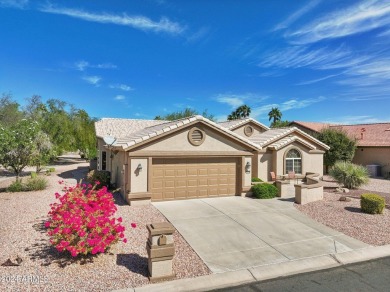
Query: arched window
{"points": [[293, 161]]}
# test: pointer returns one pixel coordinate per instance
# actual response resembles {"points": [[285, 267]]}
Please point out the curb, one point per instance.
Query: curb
{"points": [[266, 272]]}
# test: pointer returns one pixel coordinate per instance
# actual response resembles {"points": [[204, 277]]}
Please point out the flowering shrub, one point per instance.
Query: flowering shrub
{"points": [[83, 221]]}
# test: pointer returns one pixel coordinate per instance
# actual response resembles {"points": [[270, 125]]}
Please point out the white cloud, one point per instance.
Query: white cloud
{"points": [[360, 17], [82, 65], [296, 15], [123, 87], [302, 56], [94, 80], [233, 102], [262, 111], [120, 97], [351, 120], [236, 100], [14, 3], [317, 80], [138, 22]]}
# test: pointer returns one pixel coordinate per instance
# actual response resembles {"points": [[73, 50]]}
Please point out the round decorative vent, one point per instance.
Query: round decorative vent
{"points": [[196, 136], [248, 130]]}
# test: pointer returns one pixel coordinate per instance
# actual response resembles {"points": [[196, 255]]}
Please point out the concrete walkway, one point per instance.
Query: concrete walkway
{"points": [[234, 233]]}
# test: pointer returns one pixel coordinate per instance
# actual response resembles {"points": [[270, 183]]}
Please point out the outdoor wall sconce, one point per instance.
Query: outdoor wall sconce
{"points": [[248, 167], [139, 167]]}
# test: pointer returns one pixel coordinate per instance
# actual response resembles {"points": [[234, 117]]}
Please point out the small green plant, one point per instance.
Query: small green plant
{"points": [[372, 203], [52, 169], [32, 184], [350, 175], [16, 186], [264, 191], [35, 184], [256, 179], [33, 174], [102, 176]]}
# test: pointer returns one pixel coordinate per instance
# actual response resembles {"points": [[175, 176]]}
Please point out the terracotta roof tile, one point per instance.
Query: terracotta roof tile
{"points": [[369, 134]]}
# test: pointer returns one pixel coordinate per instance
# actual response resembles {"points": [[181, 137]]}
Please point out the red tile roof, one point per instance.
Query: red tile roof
{"points": [[365, 134]]}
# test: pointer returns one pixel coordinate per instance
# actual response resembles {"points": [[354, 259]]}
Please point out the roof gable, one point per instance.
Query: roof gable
{"points": [[234, 124], [154, 132], [282, 135]]}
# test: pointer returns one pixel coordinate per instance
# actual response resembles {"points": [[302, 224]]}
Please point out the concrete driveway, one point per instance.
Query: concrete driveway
{"points": [[233, 233]]}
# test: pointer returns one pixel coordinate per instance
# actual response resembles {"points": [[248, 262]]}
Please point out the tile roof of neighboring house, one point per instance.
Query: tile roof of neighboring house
{"points": [[122, 127], [369, 134], [377, 134], [271, 138], [156, 130], [316, 127], [236, 123]]}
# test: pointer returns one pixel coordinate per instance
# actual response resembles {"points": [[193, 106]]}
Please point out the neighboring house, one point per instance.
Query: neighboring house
{"points": [[195, 157], [373, 141]]}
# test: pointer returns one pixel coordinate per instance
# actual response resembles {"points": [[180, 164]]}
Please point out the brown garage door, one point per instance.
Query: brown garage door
{"points": [[174, 179]]}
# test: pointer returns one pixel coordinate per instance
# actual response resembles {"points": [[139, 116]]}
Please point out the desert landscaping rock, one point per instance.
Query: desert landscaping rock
{"points": [[345, 199], [23, 235]]}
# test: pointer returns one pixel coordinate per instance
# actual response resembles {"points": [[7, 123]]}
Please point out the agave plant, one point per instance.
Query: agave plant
{"points": [[349, 175]]}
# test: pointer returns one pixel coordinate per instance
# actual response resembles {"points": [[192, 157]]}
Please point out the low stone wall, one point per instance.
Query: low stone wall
{"points": [[282, 186], [310, 191]]}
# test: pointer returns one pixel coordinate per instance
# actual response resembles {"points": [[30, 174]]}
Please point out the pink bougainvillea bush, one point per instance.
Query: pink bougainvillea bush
{"points": [[83, 221]]}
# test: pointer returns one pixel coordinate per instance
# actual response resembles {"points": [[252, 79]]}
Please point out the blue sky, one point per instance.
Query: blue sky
{"points": [[325, 61]]}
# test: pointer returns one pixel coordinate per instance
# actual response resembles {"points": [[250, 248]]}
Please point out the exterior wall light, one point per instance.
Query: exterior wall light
{"points": [[139, 167], [248, 167]]}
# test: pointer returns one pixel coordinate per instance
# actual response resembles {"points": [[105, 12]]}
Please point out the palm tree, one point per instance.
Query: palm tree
{"points": [[240, 113], [275, 114]]}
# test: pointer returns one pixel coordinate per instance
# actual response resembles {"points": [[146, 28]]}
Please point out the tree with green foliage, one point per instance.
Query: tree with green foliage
{"points": [[43, 151], [241, 112], [275, 114], [84, 133], [342, 147], [280, 124], [188, 112], [17, 145], [9, 111]]}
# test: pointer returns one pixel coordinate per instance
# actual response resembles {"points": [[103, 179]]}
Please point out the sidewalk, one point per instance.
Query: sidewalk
{"points": [[261, 273]]}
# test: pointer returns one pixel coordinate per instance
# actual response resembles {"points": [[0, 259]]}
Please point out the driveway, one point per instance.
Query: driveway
{"points": [[232, 233]]}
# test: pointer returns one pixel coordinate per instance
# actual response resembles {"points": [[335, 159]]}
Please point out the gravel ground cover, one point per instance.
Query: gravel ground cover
{"points": [[23, 235], [347, 217]]}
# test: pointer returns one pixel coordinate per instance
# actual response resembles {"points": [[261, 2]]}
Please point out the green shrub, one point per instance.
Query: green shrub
{"points": [[33, 174], [35, 184], [103, 176], [256, 179], [16, 186], [350, 175], [264, 191], [52, 169], [372, 203]]}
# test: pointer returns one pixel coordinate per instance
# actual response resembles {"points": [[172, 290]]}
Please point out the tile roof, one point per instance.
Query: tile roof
{"points": [[314, 126], [290, 139], [122, 127], [377, 134], [369, 134], [236, 123], [156, 130], [278, 136]]}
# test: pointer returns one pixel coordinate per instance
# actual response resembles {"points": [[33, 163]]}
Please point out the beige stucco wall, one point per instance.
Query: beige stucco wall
{"points": [[311, 162], [256, 128], [138, 179], [117, 172], [274, 160], [265, 165], [374, 155], [179, 142], [247, 176], [100, 148]]}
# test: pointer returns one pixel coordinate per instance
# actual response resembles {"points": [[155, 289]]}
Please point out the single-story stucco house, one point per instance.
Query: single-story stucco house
{"points": [[373, 142], [195, 157]]}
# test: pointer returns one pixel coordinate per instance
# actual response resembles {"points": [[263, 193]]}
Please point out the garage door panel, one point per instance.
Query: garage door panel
{"points": [[193, 178]]}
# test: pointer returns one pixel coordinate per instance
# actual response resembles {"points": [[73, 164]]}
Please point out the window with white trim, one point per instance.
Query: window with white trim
{"points": [[293, 161]]}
